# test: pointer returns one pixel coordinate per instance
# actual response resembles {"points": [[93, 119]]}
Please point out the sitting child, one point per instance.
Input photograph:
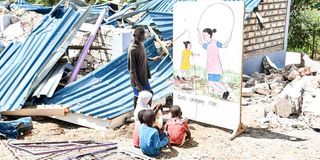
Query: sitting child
{"points": [[143, 104], [136, 128], [178, 129], [150, 140]]}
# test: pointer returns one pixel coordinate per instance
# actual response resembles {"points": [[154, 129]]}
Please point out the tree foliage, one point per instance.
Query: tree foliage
{"points": [[304, 27]]}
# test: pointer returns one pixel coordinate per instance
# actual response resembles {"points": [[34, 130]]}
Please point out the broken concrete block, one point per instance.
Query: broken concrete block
{"points": [[292, 94], [262, 88], [245, 78], [283, 108], [13, 30], [298, 78], [247, 92], [277, 77], [276, 87], [84, 65], [311, 98], [268, 66], [5, 21], [304, 71], [259, 77], [293, 74], [90, 58], [244, 102], [314, 65], [250, 83]]}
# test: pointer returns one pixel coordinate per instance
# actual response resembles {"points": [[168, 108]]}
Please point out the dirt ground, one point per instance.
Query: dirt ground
{"points": [[209, 142]]}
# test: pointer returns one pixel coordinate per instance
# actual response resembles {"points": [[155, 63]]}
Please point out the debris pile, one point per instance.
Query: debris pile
{"points": [[16, 25], [39, 65], [290, 92]]}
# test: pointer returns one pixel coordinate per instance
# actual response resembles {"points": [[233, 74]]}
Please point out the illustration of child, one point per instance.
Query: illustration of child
{"points": [[214, 67], [185, 60]]}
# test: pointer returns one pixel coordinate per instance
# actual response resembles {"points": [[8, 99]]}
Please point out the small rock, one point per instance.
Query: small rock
{"points": [[262, 88], [245, 78], [282, 108], [277, 77], [276, 87], [250, 83], [304, 71], [84, 65], [298, 78], [293, 74], [247, 92], [244, 102]]}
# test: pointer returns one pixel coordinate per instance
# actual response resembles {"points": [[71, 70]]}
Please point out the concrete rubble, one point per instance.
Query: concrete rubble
{"points": [[290, 95], [15, 25]]}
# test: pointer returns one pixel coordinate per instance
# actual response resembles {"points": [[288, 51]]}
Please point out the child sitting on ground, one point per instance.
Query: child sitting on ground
{"points": [[142, 104], [136, 129], [178, 129], [150, 140]]}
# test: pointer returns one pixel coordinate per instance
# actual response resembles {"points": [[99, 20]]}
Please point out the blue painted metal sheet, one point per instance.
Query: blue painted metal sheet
{"points": [[164, 23], [36, 8], [250, 5], [8, 54], [164, 6], [106, 93], [49, 84], [254, 64], [21, 65], [124, 11]]}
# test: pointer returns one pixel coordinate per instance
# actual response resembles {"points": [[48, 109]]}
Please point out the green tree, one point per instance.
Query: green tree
{"points": [[44, 2], [311, 25], [304, 26]]}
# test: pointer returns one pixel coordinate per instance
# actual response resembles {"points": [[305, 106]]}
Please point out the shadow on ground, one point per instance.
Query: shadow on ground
{"points": [[267, 134]]}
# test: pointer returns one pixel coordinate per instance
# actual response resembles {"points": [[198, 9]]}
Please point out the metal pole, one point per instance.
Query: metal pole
{"points": [[92, 153], [60, 150], [87, 46]]}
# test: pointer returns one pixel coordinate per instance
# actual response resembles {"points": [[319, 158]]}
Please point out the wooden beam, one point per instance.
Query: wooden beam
{"points": [[91, 122], [241, 128], [158, 40], [40, 110]]}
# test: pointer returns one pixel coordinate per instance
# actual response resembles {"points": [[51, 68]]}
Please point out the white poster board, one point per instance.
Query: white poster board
{"points": [[207, 75]]}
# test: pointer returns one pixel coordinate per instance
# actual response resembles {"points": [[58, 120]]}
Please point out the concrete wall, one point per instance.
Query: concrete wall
{"points": [[267, 38]]}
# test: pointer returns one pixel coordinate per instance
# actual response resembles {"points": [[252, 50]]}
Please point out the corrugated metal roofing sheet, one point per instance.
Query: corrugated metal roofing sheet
{"points": [[164, 6], [51, 82], [163, 22], [250, 5], [106, 93], [20, 66], [124, 11]]}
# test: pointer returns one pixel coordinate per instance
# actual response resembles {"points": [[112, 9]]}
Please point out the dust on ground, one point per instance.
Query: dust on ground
{"points": [[208, 142]]}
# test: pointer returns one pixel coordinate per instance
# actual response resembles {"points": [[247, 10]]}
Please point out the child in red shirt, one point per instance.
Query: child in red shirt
{"points": [[178, 129]]}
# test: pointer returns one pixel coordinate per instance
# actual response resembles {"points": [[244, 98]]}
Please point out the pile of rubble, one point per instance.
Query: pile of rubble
{"points": [[15, 25], [291, 92]]}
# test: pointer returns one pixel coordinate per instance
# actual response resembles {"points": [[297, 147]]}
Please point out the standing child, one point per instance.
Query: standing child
{"points": [[150, 140], [178, 129]]}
